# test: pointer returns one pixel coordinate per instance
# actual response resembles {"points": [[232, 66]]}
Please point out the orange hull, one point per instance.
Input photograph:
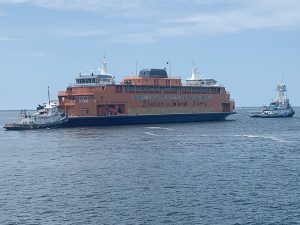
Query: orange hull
{"points": [[152, 93], [143, 100]]}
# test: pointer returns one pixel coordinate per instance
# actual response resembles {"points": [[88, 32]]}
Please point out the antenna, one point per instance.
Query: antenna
{"points": [[103, 69], [170, 65], [194, 71], [170, 69], [136, 65], [48, 95]]}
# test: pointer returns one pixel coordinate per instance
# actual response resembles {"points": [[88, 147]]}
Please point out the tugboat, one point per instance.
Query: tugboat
{"points": [[46, 116], [279, 108]]}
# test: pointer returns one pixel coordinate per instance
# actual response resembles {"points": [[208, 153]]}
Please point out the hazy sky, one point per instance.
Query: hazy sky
{"points": [[244, 44]]}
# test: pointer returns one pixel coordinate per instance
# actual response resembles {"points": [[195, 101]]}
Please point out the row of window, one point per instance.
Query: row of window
{"points": [[163, 89], [83, 99], [92, 80]]}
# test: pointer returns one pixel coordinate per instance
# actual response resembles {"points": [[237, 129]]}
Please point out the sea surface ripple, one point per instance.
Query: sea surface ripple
{"points": [[240, 171]]}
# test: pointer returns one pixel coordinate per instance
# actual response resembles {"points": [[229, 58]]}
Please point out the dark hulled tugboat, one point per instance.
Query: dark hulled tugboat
{"points": [[279, 108]]}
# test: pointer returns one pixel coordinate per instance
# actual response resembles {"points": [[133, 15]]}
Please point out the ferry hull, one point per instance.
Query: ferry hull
{"points": [[145, 119]]}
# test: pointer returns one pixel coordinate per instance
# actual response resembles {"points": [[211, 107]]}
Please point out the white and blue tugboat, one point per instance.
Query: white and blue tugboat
{"points": [[279, 108], [46, 116]]}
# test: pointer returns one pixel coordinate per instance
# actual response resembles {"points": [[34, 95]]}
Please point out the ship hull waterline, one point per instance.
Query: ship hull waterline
{"points": [[90, 121], [144, 119], [16, 126]]}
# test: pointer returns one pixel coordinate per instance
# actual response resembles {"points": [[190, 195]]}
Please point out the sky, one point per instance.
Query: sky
{"points": [[246, 45]]}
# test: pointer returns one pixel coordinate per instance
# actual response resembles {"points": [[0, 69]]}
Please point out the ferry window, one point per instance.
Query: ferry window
{"points": [[118, 89], [197, 90], [152, 89], [129, 89], [186, 89], [85, 110], [83, 99], [141, 88]]}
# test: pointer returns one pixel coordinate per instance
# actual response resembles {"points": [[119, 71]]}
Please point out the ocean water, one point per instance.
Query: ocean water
{"points": [[240, 171]]}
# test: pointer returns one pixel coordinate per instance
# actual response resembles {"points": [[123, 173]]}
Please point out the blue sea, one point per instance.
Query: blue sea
{"points": [[240, 171]]}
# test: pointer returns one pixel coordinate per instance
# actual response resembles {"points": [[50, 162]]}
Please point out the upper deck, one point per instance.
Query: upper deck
{"points": [[152, 77], [92, 79], [148, 81]]}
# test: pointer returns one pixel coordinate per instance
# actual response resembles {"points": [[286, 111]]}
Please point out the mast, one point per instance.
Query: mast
{"points": [[194, 72], [136, 66], [103, 69], [281, 89], [48, 96], [170, 71]]}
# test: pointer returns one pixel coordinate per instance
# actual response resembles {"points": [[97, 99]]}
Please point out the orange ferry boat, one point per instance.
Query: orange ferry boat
{"points": [[150, 97]]}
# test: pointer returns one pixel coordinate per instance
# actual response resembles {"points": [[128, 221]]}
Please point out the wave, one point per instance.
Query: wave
{"points": [[157, 128], [151, 134], [264, 137]]}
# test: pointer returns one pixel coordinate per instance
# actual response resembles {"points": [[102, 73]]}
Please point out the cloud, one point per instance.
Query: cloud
{"points": [[108, 7], [255, 16], [5, 38], [3, 13], [150, 36], [82, 32], [238, 16], [37, 54], [152, 20]]}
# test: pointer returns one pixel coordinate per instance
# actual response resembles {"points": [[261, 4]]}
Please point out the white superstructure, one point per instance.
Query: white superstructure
{"points": [[92, 79], [198, 80]]}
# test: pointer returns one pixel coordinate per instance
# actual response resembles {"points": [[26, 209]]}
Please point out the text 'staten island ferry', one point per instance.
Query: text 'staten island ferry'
{"points": [[151, 97], [279, 108]]}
